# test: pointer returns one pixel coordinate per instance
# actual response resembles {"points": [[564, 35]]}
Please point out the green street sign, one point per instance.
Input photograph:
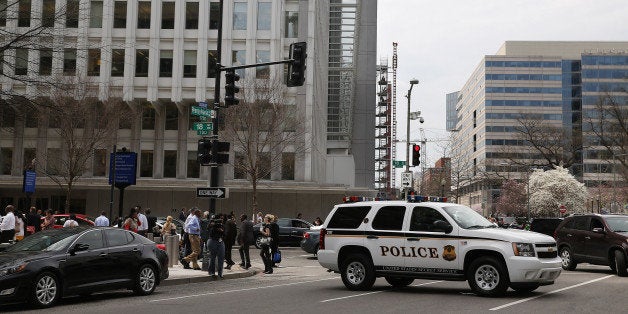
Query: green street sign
{"points": [[203, 118], [202, 132], [399, 163], [203, 126], [202, 112]]}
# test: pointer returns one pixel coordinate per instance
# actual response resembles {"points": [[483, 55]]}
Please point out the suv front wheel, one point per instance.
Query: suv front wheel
{"points": [[357, 272], [567, 259]]}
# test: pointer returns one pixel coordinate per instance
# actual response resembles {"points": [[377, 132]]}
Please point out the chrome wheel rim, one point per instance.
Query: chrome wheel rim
{"points": [[147, 279], [356, 273], [46, 290], [565, 258], [487, 277]]}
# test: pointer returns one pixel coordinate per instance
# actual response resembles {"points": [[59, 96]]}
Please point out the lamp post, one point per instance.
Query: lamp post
{"points": [[412, 83]]}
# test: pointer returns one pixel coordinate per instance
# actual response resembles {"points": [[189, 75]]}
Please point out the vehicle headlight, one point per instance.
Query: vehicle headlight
{"points": [[12, 269], [523, 249]]}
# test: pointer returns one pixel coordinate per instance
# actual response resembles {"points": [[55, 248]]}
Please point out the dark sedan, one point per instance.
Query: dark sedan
{"points": [[76, 261], [310, 240], [290, 231]]}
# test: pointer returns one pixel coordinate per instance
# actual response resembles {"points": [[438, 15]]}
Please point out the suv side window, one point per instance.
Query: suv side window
{"points": [[580, 223], [596, 223], [568, 223], [349, 217], [389, 218], [423, 219]]}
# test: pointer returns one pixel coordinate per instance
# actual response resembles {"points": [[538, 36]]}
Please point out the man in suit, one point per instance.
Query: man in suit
{"points": [[231, 231], [246, 237]]}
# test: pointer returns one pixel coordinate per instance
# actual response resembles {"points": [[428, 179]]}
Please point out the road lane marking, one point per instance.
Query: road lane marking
{"points": [[551, 292], [239, 290], [374, 292]]}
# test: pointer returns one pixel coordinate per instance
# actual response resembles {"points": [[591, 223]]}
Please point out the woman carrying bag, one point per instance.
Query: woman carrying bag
{"points": [[266, 241]]}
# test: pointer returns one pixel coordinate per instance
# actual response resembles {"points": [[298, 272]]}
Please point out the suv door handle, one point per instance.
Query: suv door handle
{"points": [[372, 237], [103, 254], [588, 237], [569, 234]]}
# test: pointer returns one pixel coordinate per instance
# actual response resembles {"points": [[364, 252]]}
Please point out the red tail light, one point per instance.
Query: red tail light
{"points": [[321, 239], [555, 235], [306, 235]]}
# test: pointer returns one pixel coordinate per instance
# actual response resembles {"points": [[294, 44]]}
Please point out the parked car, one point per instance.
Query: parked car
{"points": [[310, 240], [290, 231], [545, 225], [55, 263], [80, 218], [595, 239]]}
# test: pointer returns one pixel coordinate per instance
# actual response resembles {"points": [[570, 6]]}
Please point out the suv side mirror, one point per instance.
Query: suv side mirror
{"points": [[443, 225], [599, 230]]}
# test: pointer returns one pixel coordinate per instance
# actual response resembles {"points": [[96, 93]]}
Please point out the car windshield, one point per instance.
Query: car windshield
{"points": [[618, 224], [467, 218], [44, 241]]}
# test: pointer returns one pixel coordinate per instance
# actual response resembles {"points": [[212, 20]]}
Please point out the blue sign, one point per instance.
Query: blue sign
{"points": [[202, 104], [29, 181], [126, 167]]}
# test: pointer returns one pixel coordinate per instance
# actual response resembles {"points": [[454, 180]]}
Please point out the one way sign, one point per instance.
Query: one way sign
{"points": [[212, 192]]}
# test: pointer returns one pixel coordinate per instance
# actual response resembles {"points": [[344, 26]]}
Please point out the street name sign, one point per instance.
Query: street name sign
{"points": [[202, 132], [203, 112], [406, 179], [399, 163], [203, 126], [218, 192]]}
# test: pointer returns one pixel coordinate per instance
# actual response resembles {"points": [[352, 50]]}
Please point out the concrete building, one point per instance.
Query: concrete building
{"points": [[560, 82], [155, 55]]}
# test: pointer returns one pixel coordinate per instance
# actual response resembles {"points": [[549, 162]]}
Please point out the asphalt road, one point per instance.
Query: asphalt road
{"points": [[300, 285]]}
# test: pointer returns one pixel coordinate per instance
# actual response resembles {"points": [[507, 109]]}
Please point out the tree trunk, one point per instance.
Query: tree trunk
{"points": [[68, 195]]}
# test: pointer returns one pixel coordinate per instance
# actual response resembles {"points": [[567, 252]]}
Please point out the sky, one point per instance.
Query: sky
{"points": [[441, 42]]}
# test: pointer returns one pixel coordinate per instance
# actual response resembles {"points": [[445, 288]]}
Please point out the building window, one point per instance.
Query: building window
{"points": [[24, 13], [117, 62], [146, 163], [214, 15], [21, 61], [45, 61], [119, 14], [264, 15], [47, 13], [93, 62], [3, 13], [239, 15], [99, 165], [172, 117], [167, 15], [291, 26], [212, 59], [6, 156], [148, 118], [287, 166], [238, 172], [193, 167], [165, 63], [170, 164], [264, 166], [238, 57], [141, 63], [143, 15], [189, 63], [72, 14], [95, 14], [191, 15], [262, 71], [53, 161], [69, 62]]}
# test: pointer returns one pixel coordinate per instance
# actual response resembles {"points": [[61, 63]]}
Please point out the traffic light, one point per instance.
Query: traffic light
{"points": [[416, 154], [230, 89], [204, 151], [296, 67], [220, 152]]}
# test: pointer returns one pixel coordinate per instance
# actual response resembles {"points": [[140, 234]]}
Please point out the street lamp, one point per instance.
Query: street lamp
{"points": [[412, 83]]}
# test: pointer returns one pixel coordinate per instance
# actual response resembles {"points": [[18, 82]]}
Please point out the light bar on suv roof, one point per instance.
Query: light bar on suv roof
{"points": [[353, 199], [421, 198]]}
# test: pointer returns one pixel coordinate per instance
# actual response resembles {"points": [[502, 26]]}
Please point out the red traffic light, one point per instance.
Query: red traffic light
{"points": [[416, 148]]}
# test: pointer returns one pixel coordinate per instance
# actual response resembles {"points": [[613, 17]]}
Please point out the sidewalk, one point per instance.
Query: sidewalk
{"points": [[179, 275]]}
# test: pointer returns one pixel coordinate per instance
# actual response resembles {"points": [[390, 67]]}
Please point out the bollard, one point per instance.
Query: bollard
{"points": [[170, 250]]}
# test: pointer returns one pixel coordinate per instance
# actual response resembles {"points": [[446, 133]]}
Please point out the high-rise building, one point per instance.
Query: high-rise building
{"points": [[156, 56], [555, 83]]}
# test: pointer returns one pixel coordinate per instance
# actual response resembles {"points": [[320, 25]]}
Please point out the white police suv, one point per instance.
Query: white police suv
{"points": [[406, 240]]}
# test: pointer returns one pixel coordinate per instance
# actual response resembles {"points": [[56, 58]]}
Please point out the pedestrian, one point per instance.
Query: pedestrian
{"points": [[274, 243], [186, 246], [49, 221], [231, 232], [142, 227], [216, 246], [194, 235], [131, 222], [7, 226], [102, 220], [71, 222], [204, 233], [318, 221], [168, 229], [19, 226], [260, 218], [265, 251], [183, 214], [299, 216], [33, 221], [246, 237], [152, 221]]}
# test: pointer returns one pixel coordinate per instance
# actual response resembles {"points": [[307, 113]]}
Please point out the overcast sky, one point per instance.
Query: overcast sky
{"points": [[440, 42]]}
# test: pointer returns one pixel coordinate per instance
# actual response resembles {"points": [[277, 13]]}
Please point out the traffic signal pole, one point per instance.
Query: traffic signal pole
{"points": [[213, 175]]}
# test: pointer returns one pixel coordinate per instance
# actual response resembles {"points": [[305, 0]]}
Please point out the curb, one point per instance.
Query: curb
{"points": [[207, 278]]}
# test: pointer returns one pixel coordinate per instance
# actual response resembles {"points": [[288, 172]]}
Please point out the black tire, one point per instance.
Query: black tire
{"points": [[357, 272], [146, 280], [399, 282], [620, 264], [488, 277], [568, 262], [524, 287], [258, 244], [46, 290]]}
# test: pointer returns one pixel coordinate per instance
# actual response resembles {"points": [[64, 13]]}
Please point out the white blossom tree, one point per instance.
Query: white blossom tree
{"points": [[553, 188]]}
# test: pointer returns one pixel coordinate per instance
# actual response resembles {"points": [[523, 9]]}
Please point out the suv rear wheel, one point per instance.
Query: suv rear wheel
{"points": [[567, 259], [399, 282], [620, 264], [357, 272], [487, 277]]}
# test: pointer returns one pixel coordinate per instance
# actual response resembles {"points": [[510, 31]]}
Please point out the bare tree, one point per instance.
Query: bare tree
{"points": [[261, 129]]}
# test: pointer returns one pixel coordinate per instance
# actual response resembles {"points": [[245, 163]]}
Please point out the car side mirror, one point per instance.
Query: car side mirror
{"points": [[78, 248], [443, 225], [599, 230]]}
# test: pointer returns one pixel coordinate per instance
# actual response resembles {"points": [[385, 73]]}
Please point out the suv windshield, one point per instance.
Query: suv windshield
{"points": [[467, 218], [44, 241], [618, 224]]}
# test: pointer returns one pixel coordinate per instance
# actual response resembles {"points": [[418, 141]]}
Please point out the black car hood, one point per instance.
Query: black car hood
{"points": [[7, 258]]}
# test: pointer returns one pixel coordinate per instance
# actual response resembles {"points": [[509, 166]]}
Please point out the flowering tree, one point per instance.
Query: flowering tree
{"points": [[512, 200], [553, 188]]}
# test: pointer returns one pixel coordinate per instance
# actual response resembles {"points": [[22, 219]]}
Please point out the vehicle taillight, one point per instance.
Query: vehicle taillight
{"points": [[555, 235], [306, 235], [321, 239]]}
